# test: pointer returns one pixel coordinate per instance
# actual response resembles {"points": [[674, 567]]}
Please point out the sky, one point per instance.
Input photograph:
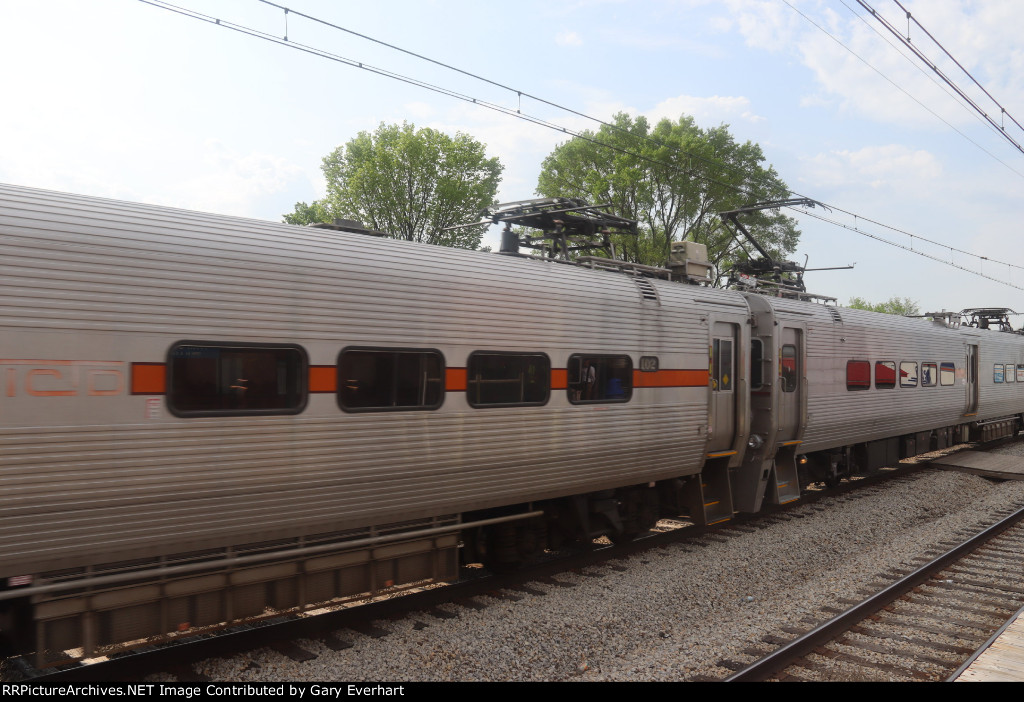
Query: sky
{"points": [[128, 100]]}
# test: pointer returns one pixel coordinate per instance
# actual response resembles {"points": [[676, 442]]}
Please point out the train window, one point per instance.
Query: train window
{"points": [[929, 375], [947, 373], [885, 374], [721, 365], [908, 375], [495, 378], [1009, 375], [600, 379], [858, 375], [209, 378], [390, 379], [1020, 372], [788, 370], [756, 364], [997, 373]]}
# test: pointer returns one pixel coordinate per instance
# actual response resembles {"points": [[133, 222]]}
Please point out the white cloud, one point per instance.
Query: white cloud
{"points": [[232, 183], [878, 166], [201, 176], [520, 145], [568, 39], [707, 111], [856, 64], [764, 24], [419, 110]]}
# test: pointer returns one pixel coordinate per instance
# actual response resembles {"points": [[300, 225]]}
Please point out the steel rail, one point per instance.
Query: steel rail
{"points": [[771, 664], [981, 649]]}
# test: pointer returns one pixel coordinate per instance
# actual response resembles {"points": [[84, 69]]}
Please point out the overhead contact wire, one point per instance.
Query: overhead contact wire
{"points": [[934, 81], [915, 251], [536, 120], [928, 62], [443, 91], [901, 89], [519, 93], [966, 72]]}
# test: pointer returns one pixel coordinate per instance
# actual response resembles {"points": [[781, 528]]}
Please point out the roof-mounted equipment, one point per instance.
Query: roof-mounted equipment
{"points": [[989, 318], [766, 274], [995, 318], [688, 261], [347, 225], [566, 225]]}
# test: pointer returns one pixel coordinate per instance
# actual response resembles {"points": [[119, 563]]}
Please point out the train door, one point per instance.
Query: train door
{"points": [[710, 498], [972, 380], [790, 397], [723, 385], [791, 381]]}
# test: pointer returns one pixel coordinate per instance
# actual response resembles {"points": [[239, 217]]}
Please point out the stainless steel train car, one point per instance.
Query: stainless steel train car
{"points": [[206, 418]]}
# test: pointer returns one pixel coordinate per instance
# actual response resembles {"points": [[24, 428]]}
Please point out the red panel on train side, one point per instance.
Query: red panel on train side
{"points": [[455, 380], [559, 379], [149, 378], [323, 378]]}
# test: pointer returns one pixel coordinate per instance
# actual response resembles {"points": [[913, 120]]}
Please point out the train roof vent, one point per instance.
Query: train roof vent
{"points": [[836, 319], [647, 290]]}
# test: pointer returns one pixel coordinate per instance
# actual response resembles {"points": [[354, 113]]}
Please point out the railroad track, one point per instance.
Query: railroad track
{"points": [[922, 627]]}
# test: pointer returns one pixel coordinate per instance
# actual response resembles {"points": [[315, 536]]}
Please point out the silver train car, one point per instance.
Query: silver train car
{"points": [[207, 418]]}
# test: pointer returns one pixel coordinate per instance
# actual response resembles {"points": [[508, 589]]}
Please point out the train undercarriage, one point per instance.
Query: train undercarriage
{"points": [[830, 467]]}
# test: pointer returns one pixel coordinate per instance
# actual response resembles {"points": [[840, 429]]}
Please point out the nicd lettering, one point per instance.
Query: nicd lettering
{"points": [[55, 378]]}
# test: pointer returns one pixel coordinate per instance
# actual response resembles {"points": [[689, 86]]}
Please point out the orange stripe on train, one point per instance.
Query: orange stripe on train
{"points": [[456, 379], [149, 379], [670, 379]]}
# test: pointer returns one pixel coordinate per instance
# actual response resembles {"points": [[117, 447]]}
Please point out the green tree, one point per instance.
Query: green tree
{"points": [[410, 184], [672, 179], [308, 214], [894, 305]]}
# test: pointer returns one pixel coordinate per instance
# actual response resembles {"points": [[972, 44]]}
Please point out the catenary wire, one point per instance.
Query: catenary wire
{"points": [[615, 127], [519, 93], [912, 250], [935, 81], [966, 72], [964, 96], [517, 113], [536, 120], [902, 90]]}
